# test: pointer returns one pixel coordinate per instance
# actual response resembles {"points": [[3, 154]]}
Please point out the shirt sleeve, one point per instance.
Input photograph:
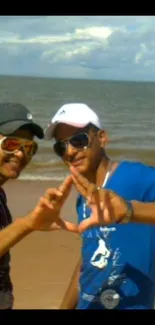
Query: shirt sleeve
{"points": [[150, 181]]}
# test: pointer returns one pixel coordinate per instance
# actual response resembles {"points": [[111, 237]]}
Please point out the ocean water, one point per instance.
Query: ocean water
{"points": [[127, 111]]}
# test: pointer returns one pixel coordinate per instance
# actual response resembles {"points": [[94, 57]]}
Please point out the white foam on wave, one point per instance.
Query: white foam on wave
{"points": [[46, 163], [41, 178]]}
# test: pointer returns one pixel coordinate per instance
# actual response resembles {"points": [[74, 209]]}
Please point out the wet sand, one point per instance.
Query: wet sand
{"points": [[43, 262]]}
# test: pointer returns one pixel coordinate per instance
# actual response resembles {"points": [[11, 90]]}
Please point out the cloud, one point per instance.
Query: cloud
{"points": [[101, 47], [141, 53]]}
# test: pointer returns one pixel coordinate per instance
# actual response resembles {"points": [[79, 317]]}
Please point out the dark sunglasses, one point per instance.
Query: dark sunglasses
{"points": [[11, 145], [78, 141]]}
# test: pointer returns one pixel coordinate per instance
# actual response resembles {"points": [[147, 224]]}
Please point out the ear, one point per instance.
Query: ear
{"points": [[103, 138]]}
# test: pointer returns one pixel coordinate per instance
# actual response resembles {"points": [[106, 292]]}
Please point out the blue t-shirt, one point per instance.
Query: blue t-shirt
{"points": [[118, 261]]}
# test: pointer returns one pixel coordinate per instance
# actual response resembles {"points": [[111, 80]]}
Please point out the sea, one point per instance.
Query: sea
{"points": [[126, 110]]}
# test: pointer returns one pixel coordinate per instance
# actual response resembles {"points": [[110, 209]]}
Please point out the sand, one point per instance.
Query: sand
{"points": [[42, 263]]}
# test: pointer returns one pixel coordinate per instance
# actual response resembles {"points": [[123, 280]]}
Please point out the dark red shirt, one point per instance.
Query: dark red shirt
{"points": [[6, 296]]}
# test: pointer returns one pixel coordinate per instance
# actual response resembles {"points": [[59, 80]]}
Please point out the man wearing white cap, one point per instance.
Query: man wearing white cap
{"points": [[118, 260]]}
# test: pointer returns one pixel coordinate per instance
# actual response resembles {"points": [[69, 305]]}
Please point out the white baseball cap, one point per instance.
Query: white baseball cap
{"points": [[78, 115]]}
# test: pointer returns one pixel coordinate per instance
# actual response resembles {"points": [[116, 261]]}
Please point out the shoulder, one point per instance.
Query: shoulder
{"points": [[3, 195], [139, 168], [144, 179]]}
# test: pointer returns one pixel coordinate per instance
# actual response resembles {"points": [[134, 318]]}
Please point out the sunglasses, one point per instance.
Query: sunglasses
{"points": [[78, 141], [11, 145]]}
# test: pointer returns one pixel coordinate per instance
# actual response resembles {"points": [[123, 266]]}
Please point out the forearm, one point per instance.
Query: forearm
{"points": [[12, 234], [71, 295], [143, 212]]}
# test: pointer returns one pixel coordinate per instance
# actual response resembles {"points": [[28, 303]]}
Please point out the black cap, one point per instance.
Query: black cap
{"points": [[14, 116]]}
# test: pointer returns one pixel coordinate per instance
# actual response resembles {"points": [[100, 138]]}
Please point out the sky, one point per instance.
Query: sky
{"points": [[86, 47]]}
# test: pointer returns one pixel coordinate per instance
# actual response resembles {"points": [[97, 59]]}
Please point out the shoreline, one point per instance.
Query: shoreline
{"points": [[55, 171]]}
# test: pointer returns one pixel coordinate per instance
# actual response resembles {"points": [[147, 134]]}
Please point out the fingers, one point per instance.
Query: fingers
{"points": [[55, 226], [101, 215], [81, 180], [65, 225], [89, 191], [44, 202], [52, 194], [108, 199], [99, 211], [87, 223], [82, 184], [65, 188], [66, 184], [59, 194], [103, 210], [109, 213], [79, 187]]}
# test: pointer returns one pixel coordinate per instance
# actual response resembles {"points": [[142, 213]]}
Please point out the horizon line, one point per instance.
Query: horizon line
{"points": [[75, 78]]}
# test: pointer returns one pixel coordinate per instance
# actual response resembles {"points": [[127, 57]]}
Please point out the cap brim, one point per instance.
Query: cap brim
{"points": [[49, 131], [11, 127]]}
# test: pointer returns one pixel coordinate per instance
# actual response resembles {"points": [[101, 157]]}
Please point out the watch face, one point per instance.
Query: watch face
{"points": [[110, 299]]}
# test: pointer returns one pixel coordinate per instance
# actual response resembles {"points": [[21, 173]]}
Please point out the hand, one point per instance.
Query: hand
{"points": [[45, 216], [107, 207]]}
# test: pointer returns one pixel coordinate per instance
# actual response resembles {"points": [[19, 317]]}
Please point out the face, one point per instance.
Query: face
{"points": [[85, 160], [11, 164]]}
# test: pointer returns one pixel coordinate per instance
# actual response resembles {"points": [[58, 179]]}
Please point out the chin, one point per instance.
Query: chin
{"points": [[82, 169], [13, 175]]}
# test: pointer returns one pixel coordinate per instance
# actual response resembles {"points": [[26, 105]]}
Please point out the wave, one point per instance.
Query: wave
{"points": [[47, 164], [41, 178]]}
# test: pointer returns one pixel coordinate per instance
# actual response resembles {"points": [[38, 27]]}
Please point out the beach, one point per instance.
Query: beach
{"points": [[43, 262]]}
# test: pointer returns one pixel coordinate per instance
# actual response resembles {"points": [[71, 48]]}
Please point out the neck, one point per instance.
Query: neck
{"points": [[102, 171], [97, 176]]}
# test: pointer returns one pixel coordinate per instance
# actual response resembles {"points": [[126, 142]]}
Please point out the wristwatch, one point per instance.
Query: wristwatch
{"points": [[129, 212]]}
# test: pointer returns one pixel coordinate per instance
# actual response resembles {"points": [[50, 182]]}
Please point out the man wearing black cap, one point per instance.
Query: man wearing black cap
{"points": [[17, 147]]}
